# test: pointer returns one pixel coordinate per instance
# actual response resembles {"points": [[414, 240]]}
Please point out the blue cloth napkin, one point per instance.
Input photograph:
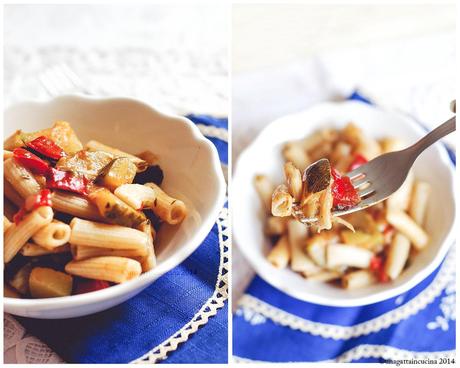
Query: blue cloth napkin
{"points": [[156, 319], [419, 324]]}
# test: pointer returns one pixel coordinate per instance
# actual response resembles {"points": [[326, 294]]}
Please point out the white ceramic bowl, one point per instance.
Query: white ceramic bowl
{"points": [[264, 156], [192, 172]]}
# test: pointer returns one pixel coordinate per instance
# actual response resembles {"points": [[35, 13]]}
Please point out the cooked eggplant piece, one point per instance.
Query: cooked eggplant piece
{"points": [[153, 174], [114, 210], [88, 164], [120, 171], [317, 176]]}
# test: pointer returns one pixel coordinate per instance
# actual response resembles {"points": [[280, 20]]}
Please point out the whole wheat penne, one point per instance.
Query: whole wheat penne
{"points": [[6, 224], [300, 262], [52, 235], [419, 201], [136, 195], [95, 234], [347, 255], [20, 178], [34, 250], [397, 256], [280, 254], [80, 252], [295, 152], [75, 205], [148, 261], [281, 201], [11, 194], [169, 209], [358, 279], [264, 188], [275, 225], [98, 146], [401, 198], [408, 227], [114, 269], [17, 235], [293, 180]]}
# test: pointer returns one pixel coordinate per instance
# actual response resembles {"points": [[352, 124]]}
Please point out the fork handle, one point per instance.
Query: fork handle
{"points": [[441, 131]]}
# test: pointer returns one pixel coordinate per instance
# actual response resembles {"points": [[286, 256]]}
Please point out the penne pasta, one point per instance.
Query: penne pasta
{"points": [[114, 269], [80, 252], [408, 227], [347, 255], [325, 276], [9, 209], [397, 256], [358, 279], [18, 235], [169, 209], [325, 217], [293, 180], [52, 235], [148, 261], [295, 152], [401, 198], [6, 224], [75, 205], [11, 194], [35, 250], [280, 254], [95, 234], [264, 188], [300, 262], [391, 145], [282, 201], [419, 201], [136, 195], [20, 178], [275, 225]]}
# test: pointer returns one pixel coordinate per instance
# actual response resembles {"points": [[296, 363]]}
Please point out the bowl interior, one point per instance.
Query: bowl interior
{"points": [[263, 156], [185, 157]]}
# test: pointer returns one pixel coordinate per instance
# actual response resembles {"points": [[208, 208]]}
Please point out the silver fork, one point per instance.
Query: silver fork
{"points": [[379, 178]]}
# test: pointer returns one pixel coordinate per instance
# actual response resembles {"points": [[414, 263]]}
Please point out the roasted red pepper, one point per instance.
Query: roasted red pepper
{"points": [[357, 162], [343, 192], [86, 286], [66, 180], [46, 147], [32, 202], [377, 267], [30, 161]]}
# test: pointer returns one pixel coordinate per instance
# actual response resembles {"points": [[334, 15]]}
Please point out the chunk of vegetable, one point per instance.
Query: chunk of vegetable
{"points": [[30, 161], [88, 164], [20, 280], [153, 174], [86, 285], [46, 147], [48, 283], [9, 292], [114, 210], [372, 241], [121, 171], [66, 180]]}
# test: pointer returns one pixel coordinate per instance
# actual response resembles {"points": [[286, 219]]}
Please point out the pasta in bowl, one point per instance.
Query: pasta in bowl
{"points": [[368, 256], [84, 216]]}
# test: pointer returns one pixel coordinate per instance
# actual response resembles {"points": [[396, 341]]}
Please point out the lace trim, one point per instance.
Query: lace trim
{"points": [[374, 351], [209, 309], [336, 332], [213, 132]]}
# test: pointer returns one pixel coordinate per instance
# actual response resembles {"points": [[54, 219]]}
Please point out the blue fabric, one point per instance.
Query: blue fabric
{"points": [[128, 331], [258, 337]]}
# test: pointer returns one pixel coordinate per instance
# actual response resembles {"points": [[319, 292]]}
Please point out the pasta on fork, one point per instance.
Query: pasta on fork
{"points": [[366, 247], [79, 218]]}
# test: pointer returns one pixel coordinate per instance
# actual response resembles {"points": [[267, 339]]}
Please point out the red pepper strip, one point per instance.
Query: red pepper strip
{"points": [[86, 286], [65, 180], [377, 267], [343, 192], [46, 147], [30, 161], [33, 202], [357, 162]]}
